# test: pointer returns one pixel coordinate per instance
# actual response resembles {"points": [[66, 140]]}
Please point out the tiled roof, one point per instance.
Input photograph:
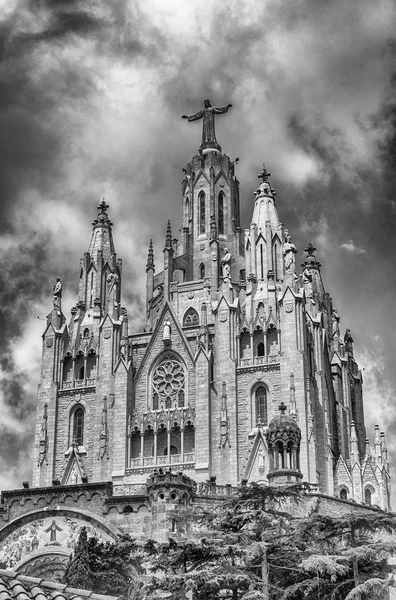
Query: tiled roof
{"points": [[14, 586]]}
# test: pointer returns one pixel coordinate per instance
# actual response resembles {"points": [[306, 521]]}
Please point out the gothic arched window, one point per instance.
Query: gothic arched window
{"points": [[78, 426], [79, 366], [202, 212], [367, 496], [344, 494], [168, 384], [260, 397], [68, 368], [191, 318], [221, 213], [91, 364], [260, 349], [202, 271]]}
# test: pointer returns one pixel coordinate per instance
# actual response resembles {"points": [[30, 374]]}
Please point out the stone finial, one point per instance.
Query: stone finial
{"points": [[150, 257]]}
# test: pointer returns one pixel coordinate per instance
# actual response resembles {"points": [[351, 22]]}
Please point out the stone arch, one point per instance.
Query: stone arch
{"points": [[190, 318], [201, 213], [68, 367], [344, 492], [48, 536], [368, 494], [251, 387]]}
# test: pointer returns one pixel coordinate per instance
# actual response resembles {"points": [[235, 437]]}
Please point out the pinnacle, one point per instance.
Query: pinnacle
{"points": [[168, 238], [150, 257]]}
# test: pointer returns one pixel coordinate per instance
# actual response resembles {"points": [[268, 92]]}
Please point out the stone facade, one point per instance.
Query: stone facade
{"points": [[235, 337]]}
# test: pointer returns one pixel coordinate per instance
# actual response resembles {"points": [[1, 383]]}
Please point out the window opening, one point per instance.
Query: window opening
{"points": [[191, 318], [78, 426], [221, 213], [202, 215], [261, 405]]}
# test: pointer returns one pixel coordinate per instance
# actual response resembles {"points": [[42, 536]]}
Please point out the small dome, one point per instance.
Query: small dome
{"points": [[283, 422]]}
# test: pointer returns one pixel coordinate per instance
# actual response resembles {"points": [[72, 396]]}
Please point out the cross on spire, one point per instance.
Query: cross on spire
{"points": [[310, 249], [264, 174]]}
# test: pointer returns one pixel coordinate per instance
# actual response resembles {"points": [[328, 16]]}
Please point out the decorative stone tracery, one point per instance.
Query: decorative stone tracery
{"points": [[168, 384]]}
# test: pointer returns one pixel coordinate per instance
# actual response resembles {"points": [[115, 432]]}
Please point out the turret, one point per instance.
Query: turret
{"points": [[283, 440]]}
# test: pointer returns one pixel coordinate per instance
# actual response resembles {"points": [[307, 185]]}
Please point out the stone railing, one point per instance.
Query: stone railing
{"points": [[132, 489], [258, 361], [77, 383], [175, 459]]}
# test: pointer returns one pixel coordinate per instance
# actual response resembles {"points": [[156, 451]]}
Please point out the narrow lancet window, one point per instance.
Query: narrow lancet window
{"points": [[221, 213], [261, 405], [78, 426], [202, 213]]}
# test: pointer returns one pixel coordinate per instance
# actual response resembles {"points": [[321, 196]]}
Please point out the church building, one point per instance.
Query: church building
{"points": [[240, 375]]}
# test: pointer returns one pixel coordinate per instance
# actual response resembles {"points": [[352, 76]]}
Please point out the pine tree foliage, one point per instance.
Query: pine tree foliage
{"points": [[105, 567], [78, 573], [250, 546]]}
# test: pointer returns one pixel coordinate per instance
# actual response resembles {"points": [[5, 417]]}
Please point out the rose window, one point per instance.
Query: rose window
{"points": [[168, 382]]}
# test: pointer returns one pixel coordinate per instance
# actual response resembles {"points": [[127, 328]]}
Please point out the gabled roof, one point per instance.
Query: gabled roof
{"points": [[14, 586], [166, 311]]}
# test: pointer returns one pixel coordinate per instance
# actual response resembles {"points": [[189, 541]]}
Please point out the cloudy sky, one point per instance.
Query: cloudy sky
{"points": [[91, 95]]}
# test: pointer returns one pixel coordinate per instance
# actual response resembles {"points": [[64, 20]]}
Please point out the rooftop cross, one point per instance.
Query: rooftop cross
{"points": [[264, 174], [282, 407], [310, 249], [208, 113]]}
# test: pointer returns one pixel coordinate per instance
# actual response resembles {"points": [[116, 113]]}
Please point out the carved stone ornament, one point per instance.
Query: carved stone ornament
{"points": [[49, 342], [43, 443], [107, 334], [168, 380], [289, 307]]}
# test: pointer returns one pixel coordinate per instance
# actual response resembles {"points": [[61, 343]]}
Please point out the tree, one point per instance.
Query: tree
{"points": [[105, 567], [78, 573], [252, 546]]}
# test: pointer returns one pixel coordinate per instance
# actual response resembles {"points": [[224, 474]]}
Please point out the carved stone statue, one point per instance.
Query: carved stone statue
{"points": [[208, 127], [112, 291], [226, 264], [335, 323], [289, 251], [167, 331], [348, 341], [57, 294], [73, 476]]}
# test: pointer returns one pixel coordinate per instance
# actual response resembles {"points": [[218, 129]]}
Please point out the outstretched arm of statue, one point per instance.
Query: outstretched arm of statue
{"points": [[195, 117], [219, 110]]}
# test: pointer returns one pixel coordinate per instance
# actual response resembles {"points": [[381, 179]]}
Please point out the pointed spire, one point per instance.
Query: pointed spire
{"points": [[384, 450], [367, 451], [377, 446], [150, 257], [168, 237], [102, 239], [354, 444]]}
